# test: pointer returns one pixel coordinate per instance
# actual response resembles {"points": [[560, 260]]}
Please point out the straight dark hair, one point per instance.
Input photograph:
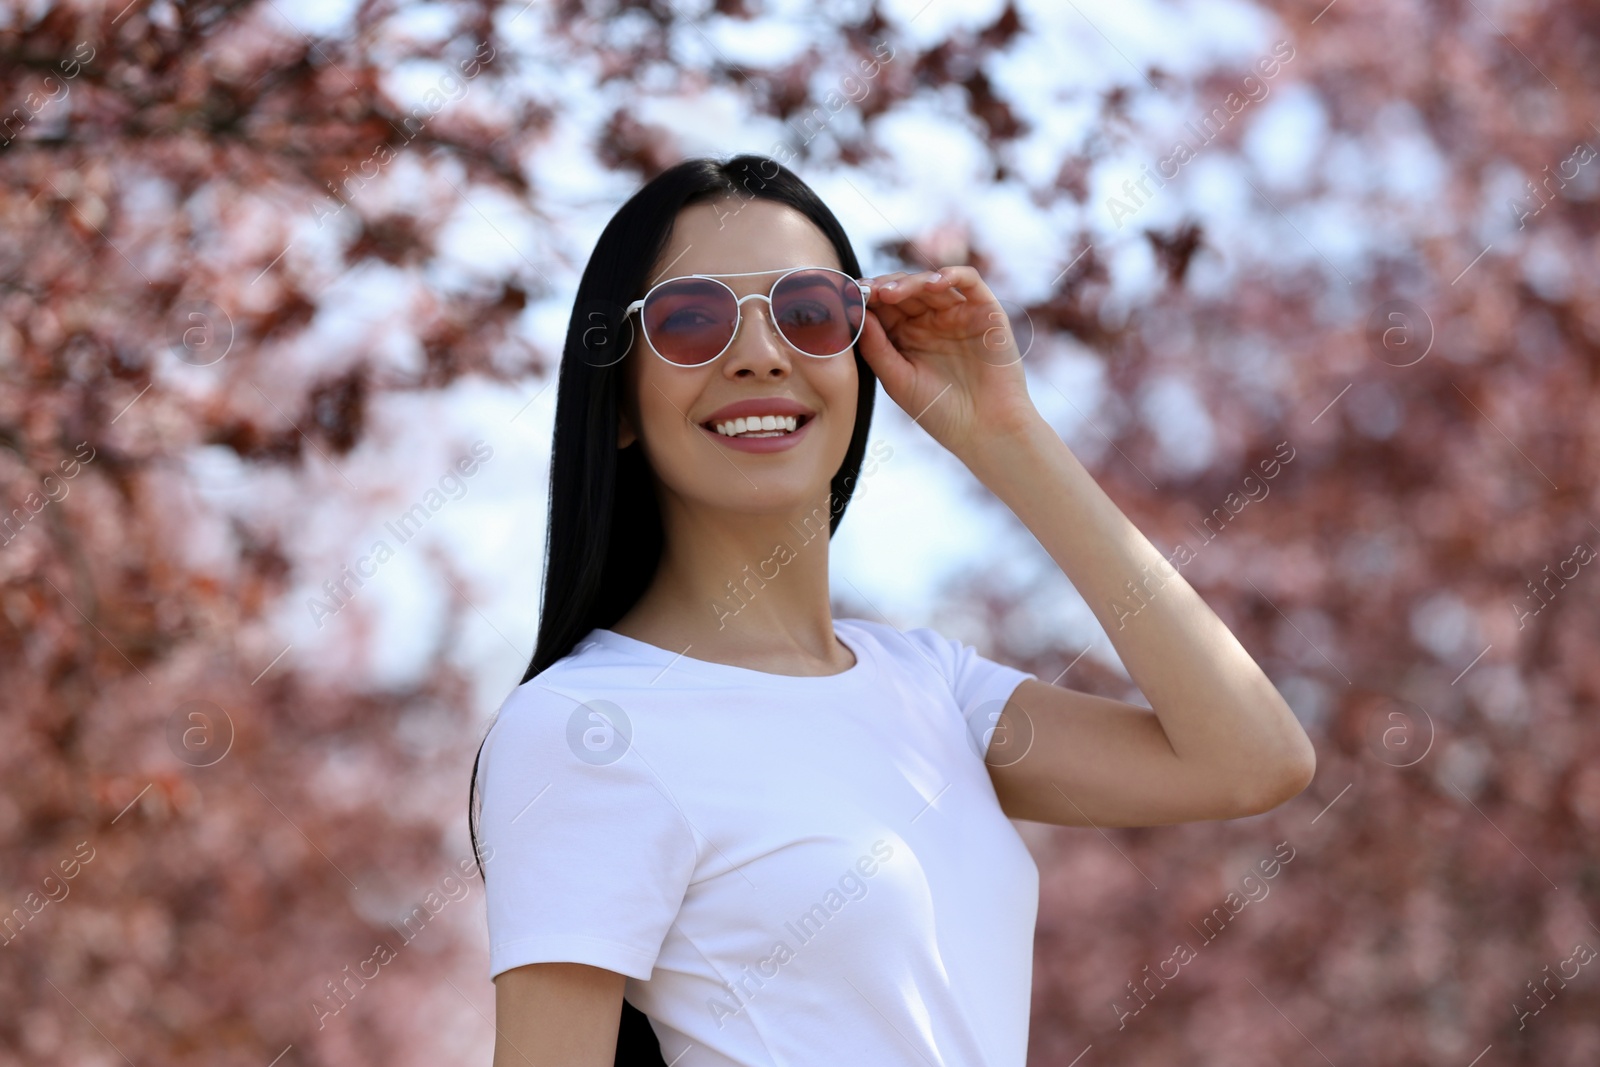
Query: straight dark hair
{"points": [[605, 534]]}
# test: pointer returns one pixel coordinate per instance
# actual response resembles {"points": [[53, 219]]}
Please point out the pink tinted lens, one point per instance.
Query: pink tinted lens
{"points": [[690, 320], [819, 311]]}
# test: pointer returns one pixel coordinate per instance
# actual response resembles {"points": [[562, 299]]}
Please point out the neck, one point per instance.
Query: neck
{"points": [[740, 583]]}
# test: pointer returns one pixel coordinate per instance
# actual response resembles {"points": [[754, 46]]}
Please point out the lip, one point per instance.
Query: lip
{"points": [[762, 444], [771, 405]]}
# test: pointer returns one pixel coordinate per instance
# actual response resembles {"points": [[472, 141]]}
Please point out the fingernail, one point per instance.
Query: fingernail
{"points": [[936, 277], [889, 285]]}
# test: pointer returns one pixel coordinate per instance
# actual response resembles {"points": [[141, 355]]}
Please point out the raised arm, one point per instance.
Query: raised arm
{"points": [[1220, 742]]}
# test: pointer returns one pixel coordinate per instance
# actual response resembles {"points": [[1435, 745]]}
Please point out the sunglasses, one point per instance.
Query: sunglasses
{"points": [[692, 319]]}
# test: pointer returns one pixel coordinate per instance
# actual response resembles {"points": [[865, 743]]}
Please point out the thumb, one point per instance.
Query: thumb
{"points": [[892, 369]]}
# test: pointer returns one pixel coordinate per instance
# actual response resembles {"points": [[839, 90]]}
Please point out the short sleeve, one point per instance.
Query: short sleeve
{"points": [[981, 686], [586, 858]]}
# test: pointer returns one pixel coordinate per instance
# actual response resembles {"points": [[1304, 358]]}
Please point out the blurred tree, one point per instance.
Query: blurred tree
{"points": [[244, 850], [1433, 369], [181, 185]]}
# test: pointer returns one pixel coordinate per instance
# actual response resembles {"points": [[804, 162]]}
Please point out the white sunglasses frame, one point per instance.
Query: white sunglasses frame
{"points": [[738, 310]]}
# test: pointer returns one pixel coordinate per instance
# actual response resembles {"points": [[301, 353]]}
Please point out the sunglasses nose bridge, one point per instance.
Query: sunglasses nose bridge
{"points": [[772, 320]]}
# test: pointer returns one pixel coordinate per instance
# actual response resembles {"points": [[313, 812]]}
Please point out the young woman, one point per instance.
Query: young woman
{"points": [[762, 834]]}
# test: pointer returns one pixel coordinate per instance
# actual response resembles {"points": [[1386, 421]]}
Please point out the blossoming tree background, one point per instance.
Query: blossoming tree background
{"points": [[1310, 288]]}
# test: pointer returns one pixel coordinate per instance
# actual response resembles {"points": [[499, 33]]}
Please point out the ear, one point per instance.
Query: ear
{"points": [[625, 433]]}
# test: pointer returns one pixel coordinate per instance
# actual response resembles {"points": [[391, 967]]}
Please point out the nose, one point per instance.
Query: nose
{"points": [[759, 349]]}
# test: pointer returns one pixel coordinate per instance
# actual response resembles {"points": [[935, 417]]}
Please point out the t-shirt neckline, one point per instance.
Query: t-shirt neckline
{"points": [[706, 668]]}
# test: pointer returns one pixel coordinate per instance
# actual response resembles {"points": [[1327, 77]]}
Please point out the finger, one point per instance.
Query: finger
{"points": [[927, 300], [940, 288], [921, 292], [901, 281], [882, 280], [965, 280]]}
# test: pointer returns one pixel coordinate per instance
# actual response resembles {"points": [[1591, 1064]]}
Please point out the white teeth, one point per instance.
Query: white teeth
{"points": [[759, 426]]}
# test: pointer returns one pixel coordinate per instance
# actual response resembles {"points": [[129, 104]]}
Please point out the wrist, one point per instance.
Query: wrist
{"points": [[999, 446]]}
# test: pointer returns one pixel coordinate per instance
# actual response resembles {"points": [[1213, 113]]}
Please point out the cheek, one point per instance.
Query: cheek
{"points": [[662, 402], [839, 386]]}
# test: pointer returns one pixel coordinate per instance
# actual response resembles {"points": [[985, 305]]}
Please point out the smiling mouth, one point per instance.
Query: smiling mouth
{"points": [[768, 426]]}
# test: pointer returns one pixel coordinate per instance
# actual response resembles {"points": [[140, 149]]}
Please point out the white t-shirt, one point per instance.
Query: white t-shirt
{"points": [[796, 871]]}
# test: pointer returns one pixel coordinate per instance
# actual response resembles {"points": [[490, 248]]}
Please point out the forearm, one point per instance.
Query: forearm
{"points": [[1216, 706]]}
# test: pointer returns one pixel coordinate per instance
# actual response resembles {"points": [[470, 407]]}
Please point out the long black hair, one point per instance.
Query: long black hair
{"points": [[605, 534]]}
